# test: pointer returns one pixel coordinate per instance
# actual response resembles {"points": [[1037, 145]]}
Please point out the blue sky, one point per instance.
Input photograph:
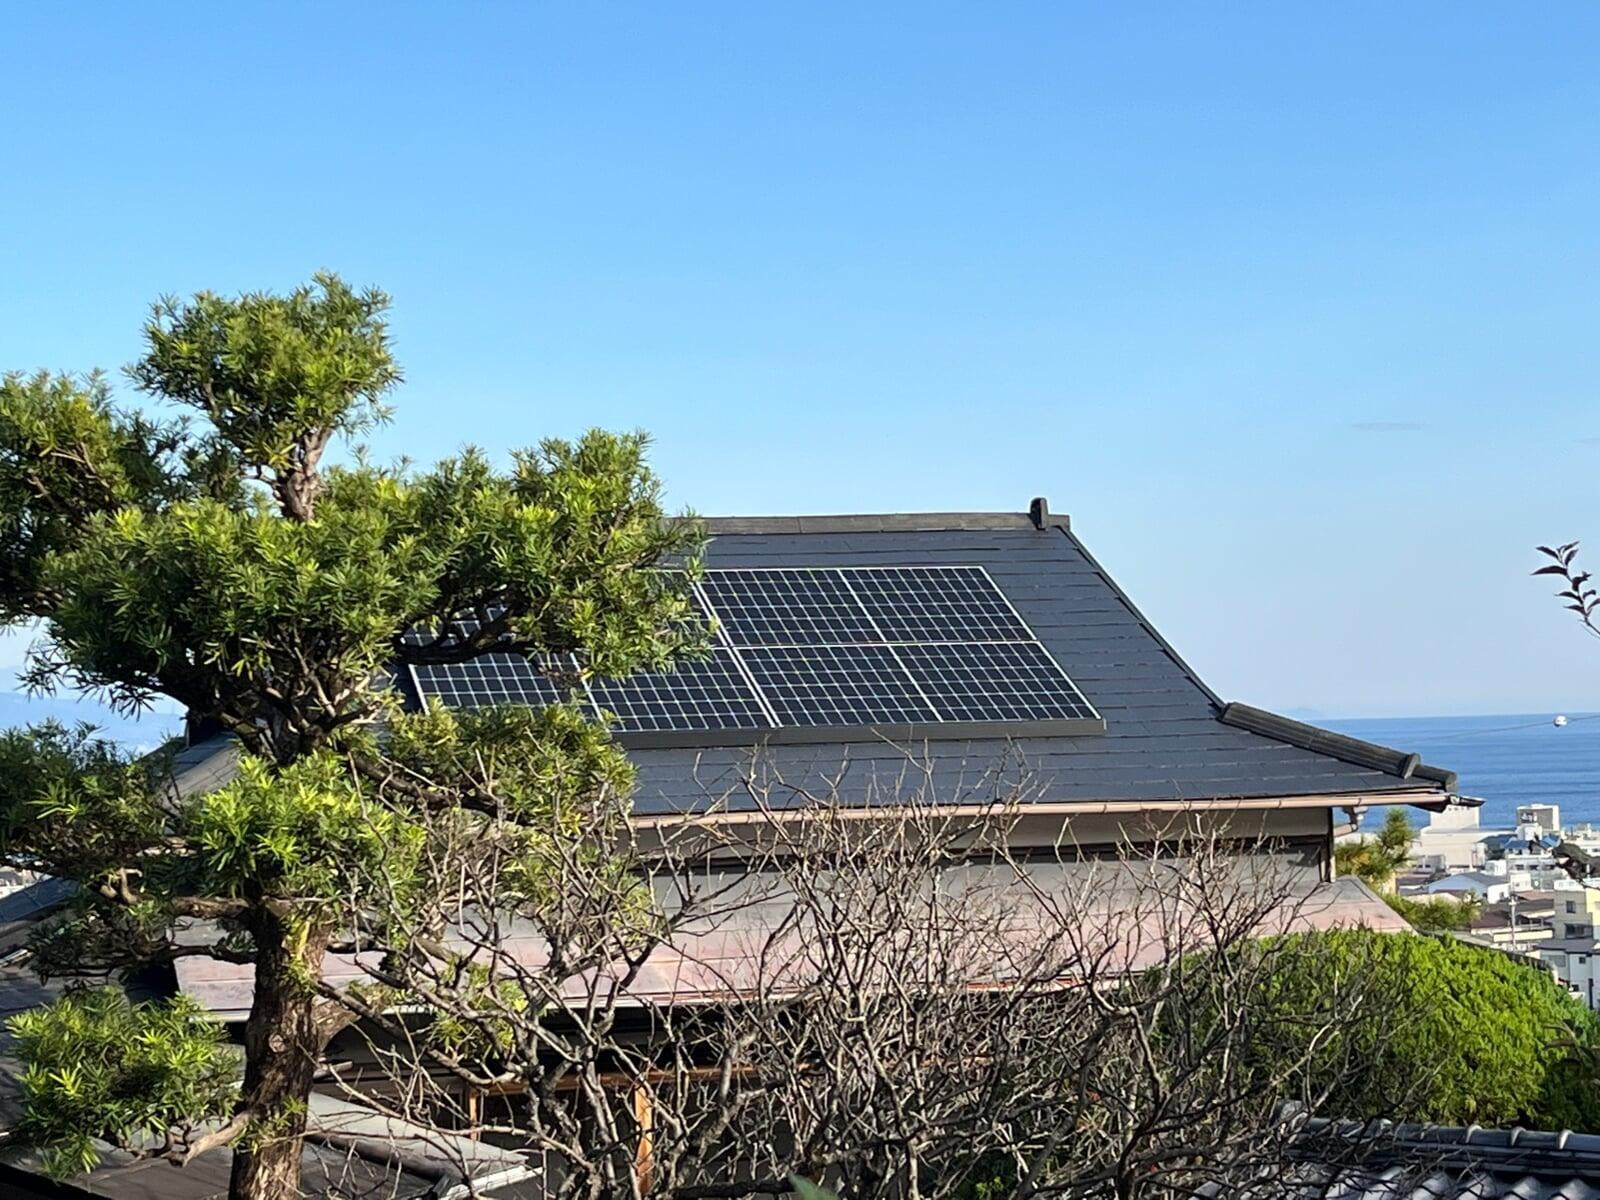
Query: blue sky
{"points": [[1293, 307]]}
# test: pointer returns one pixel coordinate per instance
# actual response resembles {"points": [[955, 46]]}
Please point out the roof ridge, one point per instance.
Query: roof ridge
{"points": [[1335, 745], [902, 522]]}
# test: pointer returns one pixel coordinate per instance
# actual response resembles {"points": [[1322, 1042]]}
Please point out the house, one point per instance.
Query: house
{"points": [[985, 642], [1483, 885], [992, 651], [1576, 961]]}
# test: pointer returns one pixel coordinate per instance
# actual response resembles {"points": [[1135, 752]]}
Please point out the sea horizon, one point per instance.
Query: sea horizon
{"points": [[1504, 759]]}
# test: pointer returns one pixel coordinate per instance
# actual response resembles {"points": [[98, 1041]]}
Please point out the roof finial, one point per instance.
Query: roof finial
{"points": [[1039, 512]]}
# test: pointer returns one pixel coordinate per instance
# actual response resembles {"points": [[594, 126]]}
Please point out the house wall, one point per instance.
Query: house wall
{"points": [[1578, 970], [1577, 914], [1297, 838]]}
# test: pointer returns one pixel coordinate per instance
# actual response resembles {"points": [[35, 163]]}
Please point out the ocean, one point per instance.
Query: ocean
{"points": [[1505, 760]]}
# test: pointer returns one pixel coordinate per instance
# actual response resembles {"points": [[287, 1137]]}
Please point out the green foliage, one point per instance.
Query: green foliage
{"points": [[66, 457], [1377, 858], [226, 569], [1437, 914], [549, 768], [217, 561], [100, 1067], [216, 606], [480, 1041], [1492, 1040], [560, 783], [270, 372], [304, 831], [994, 1177], [806, 1190], [74, 804]]}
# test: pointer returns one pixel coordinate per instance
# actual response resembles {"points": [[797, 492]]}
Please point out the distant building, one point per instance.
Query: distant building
{"points": [[1486, 887], [1585, 836], [1577, 914], [1544, 817], [1452, 840], [1531, 870], [1576, 964], [1520, 922]]}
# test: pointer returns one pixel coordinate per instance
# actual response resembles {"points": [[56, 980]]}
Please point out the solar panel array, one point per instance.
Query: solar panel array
{"points": [[817, 648]]}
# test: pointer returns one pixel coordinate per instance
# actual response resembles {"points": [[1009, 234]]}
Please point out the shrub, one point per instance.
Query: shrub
{"points": [[99, 1066], [1438, 912], [1454, 1033]]}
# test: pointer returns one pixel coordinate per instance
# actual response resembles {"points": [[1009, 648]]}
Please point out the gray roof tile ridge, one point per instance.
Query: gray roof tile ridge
{"points": [[905, 522], [1336, 745]]}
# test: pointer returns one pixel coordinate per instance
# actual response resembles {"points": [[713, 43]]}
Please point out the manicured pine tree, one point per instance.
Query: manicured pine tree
{"points": [[215, 558]]}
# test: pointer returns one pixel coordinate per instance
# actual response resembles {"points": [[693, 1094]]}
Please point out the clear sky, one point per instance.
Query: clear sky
{"points": [[1294, 308]]}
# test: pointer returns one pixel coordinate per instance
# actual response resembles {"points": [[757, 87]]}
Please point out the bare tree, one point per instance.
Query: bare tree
{"points": [[894, 996]]}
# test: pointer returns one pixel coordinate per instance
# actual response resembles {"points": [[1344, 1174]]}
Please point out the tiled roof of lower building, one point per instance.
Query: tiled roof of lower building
{"points": [[1434, 1162]]}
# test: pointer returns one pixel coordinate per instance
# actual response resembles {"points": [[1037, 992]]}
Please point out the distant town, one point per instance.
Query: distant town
{"points": [[1535, 886]]}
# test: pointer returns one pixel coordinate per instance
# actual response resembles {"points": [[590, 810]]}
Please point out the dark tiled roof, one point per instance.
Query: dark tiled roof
{"points": [[1166, 739], [352, 1153], [24, 907], [1578, 945], [1432, 1162]]}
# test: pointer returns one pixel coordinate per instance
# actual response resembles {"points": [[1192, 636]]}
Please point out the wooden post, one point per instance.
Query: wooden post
{"points": [[643, 1157]]}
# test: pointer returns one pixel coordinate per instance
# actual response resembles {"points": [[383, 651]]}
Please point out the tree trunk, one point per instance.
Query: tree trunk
{"points": [[282, 1046]]}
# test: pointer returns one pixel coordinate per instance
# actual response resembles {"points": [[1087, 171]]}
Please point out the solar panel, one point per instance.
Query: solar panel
{"points": [[709, 694], [935, 604], [450, 635], [787, 607], [837, 685], [495, 678], [816, 648], [994, 681]]}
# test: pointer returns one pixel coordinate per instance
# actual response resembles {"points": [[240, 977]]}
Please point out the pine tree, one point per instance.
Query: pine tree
{"points": [[1377, 858], [218, 560]]}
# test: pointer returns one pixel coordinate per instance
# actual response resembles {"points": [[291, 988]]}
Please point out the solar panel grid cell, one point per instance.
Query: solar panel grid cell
{"points": [[807, 607], [935, 604], [837, 686], [994, 681], [494, 678], [708, 694]]}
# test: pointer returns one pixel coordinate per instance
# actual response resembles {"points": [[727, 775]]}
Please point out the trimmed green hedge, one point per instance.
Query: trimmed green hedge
{"points": [[1494, 1040]]}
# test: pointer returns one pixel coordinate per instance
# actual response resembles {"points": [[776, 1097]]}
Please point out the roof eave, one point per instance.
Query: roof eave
{"points": [[1398, 763], [1069, 808]]}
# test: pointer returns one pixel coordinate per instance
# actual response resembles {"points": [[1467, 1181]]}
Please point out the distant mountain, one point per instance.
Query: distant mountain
{"points": [[144, 732]]}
